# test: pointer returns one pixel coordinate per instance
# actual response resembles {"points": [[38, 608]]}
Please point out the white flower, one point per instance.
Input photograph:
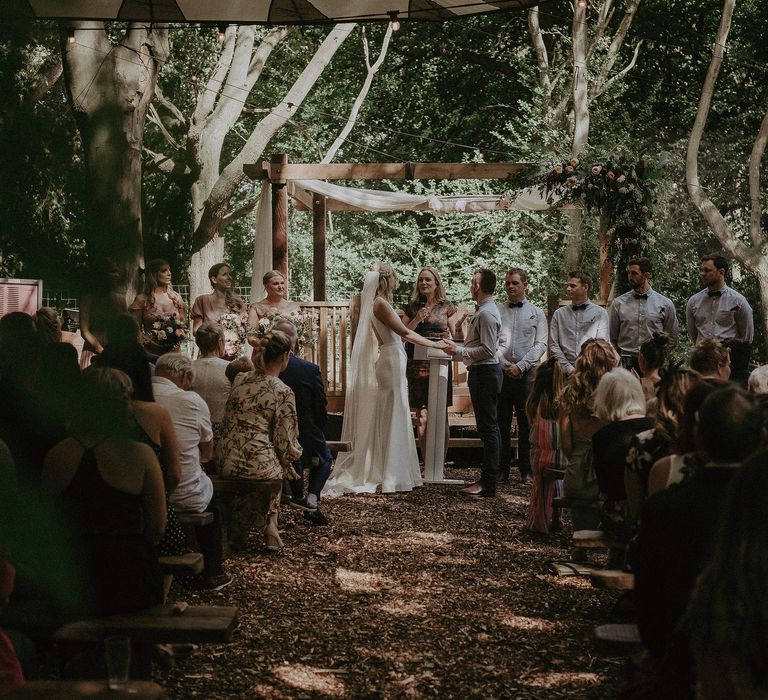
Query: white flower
{"points": [[621, 178], [623, 190], [651, 223], [161, 335]]}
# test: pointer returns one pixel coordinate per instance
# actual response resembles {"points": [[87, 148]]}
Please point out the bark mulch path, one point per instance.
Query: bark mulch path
{"points": [[425, 594]]}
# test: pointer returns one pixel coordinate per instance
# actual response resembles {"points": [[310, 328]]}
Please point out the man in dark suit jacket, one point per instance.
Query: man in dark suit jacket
{"points": [[304, 379]]}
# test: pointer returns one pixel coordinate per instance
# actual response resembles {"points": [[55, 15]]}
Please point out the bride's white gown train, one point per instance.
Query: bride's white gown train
{"points": [[383, 448]]}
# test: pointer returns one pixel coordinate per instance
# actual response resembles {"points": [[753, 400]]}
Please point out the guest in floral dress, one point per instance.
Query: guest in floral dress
{"points": [[160, 311], [260, 434], [224, 307], [545, 447], [430, 314]]}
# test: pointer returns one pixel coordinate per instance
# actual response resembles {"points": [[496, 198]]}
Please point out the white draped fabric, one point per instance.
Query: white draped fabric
{"points": [[528, 199]]}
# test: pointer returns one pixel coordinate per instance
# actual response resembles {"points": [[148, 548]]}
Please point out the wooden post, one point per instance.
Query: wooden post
{"points": [[318, 246], [606, 264], [279, 216]]}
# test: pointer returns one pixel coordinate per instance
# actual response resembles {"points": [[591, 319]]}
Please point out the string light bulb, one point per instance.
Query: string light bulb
{"points": [[222, 32], [393, 20], [71, 35]]}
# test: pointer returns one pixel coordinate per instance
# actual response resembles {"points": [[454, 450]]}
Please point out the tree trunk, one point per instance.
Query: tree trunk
{"points": [[606, 264], [572, 256], [109, 88]]}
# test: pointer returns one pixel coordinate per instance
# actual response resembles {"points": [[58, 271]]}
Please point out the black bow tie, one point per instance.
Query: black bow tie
{"points": [[578, 307], [641, 296], [515, 305], [718, 293]]}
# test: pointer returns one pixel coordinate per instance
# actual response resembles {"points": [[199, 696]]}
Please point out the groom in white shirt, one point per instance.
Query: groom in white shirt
{"points": [[479, 354]]}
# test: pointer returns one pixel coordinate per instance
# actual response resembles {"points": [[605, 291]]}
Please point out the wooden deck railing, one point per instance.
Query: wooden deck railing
{"points": [[335, 323]]}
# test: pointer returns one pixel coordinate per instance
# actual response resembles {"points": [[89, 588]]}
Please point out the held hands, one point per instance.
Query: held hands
{"points": [[512, 371], [447, 345]]}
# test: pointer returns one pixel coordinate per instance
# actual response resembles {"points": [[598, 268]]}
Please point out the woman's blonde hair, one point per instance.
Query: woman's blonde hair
{"points": [[386, 275], [597, 357], [415, 300], [271, 275], [274, 344], [619, 394], [150, 282]]}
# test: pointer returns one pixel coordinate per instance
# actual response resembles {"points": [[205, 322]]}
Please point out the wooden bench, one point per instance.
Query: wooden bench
{"points": [[612, 639], [550, 474], [226, 486], [93, 690], [613, 579], [195, 519], [190, 564], [163, 624], [339, 445], [583, 503]]}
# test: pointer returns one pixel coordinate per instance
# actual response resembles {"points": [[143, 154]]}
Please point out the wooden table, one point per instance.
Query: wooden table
{"points": [[93, 690]]}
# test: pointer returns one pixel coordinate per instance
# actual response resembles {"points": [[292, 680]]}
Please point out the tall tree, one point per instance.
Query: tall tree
{"points": [[220, 104], [110, 83], [754, 254]]}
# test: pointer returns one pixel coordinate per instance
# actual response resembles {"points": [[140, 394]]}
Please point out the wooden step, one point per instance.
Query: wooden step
{"points": [[613, 579]]}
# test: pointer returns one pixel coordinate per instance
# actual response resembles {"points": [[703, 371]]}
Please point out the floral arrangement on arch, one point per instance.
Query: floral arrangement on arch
{"points": [[306, 328], [618, 187]]}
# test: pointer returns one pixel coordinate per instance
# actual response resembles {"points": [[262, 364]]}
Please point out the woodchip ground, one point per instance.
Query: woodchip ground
{"points": [[426, 594]]}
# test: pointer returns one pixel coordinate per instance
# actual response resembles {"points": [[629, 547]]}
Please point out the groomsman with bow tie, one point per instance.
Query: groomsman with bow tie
{"points": [[572, 325], [718, 311], [522, 342], [638, 314]]}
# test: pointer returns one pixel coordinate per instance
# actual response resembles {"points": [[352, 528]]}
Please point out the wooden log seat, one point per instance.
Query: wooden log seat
{"points": [[195, 519], [190, 564], [613, 579], [583, 503], [621, 639], [550, 474], [339, 445], [169, 624], [93, 690], [241, 486], [590, 539]]}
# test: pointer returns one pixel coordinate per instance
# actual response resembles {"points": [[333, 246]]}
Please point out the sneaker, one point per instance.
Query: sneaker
{"points": [[217, 582], [302, 504], [315, 517]]}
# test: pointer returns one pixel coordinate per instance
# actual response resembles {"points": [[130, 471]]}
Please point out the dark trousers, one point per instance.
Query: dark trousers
{"points": [[484, 386], [319, 471], [514, 394], [209, 539]]}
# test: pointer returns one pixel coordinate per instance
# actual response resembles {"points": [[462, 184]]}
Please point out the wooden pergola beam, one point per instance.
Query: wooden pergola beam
{"points": [[277, 172]]}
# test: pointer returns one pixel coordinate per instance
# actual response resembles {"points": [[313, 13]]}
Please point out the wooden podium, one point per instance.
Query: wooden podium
{"points": [[437, 407]]}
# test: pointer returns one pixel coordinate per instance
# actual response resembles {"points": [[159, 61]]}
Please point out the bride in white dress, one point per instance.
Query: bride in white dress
{"points": [[377, 419]]}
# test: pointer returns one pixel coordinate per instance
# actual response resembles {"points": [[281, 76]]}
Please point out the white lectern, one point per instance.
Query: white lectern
{"points": [[436, 410]]}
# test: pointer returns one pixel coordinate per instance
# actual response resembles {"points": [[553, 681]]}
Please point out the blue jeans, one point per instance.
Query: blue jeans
{"points": [[484, 386]]}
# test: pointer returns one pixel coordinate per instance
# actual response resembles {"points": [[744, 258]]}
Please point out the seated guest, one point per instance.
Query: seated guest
{"points": [[260, 435], [47, 325], [726, 618], [652, 357], [238, 366], [541, 408], [649, 446], [620, 403], [681, 463], [304, 379], [710, 359], [678, 526], [57, 390], [210, 372], [758, 381], [578, 424], [151, 424], [191, 418], [11, 675], [112, 488]]}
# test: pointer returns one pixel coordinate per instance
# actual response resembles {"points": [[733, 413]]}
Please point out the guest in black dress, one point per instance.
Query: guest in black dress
{"points": [[111, 487]]}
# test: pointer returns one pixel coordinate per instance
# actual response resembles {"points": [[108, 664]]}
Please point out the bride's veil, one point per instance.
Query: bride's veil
{"points": [[353, 468]]}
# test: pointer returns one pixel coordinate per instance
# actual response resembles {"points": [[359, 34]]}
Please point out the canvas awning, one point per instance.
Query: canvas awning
{"points": [[258, 11]]}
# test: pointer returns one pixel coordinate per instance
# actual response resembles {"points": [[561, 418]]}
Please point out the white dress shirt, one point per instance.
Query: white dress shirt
{"points": [[727, 316], [523, 337], [481, 342], [633, 320], [571, 327]]}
